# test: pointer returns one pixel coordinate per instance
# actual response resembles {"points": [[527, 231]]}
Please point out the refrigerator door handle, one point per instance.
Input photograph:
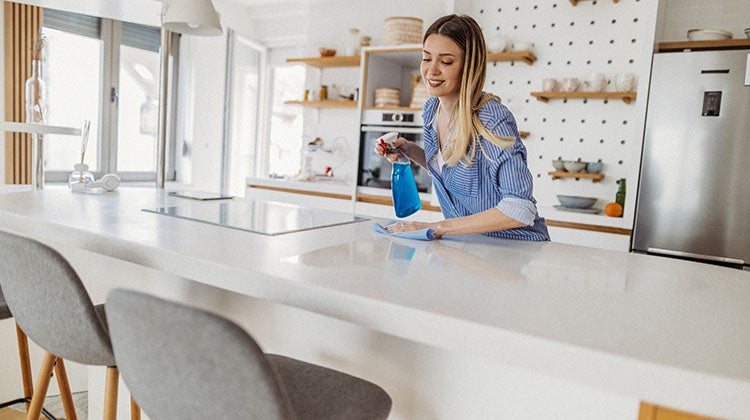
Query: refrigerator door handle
{"points": [[652, 250], [747, 71]]}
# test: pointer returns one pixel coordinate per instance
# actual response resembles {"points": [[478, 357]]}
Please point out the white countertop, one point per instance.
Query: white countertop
{"points": [[670, 332], [320, 185]]}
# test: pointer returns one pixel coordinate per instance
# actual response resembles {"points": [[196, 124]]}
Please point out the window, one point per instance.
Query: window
{"points": [[105, 71], [285, 143]]}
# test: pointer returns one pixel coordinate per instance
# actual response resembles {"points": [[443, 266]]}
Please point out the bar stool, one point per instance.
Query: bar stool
{"points": [[25, 361], [50, 304], [185, 363]]}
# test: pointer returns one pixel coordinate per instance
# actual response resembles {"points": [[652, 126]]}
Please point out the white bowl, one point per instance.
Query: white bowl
{"points": [[575, 202], [572, 166], [708, 35]]}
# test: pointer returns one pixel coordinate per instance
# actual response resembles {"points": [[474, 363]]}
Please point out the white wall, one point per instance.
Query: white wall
{"points": [[2, 103], [683, 15]]}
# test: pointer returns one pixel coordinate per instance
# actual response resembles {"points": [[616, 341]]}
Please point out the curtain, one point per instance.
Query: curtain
{"points": [[22, 24]]}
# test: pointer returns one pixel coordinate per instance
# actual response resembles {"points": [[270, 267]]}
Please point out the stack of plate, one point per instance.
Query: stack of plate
{"points": [[387, 97], [403, 30], [708, 35]]}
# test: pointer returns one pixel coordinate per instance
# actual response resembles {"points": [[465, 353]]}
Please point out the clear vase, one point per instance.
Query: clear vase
{"points": [[36, 113], [36, 95]]}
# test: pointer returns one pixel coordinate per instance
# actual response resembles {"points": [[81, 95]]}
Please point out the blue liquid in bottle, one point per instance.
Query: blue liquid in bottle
{"points": [[405, 195]]}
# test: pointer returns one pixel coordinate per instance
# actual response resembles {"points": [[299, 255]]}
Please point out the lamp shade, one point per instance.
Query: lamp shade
{"points": [[192, 17]]}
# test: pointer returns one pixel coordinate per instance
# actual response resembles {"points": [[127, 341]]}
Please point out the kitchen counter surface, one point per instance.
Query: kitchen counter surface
{"points": [[670, 332], [320, 185]]}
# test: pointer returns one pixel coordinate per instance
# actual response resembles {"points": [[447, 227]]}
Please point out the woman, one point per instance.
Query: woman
{"points": [[472, 147]]}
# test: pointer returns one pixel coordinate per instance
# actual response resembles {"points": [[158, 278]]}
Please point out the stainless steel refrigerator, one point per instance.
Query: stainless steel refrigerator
{"points": [[694, 190]]}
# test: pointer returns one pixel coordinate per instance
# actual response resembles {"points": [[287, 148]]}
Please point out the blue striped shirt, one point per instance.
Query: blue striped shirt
{"points": [[497, 178]]}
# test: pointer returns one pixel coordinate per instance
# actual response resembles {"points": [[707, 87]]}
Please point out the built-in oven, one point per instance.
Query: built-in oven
{"points": [[375, 171]]}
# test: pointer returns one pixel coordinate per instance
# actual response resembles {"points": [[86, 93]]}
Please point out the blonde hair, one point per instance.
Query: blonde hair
{"points": [[463, 139]]}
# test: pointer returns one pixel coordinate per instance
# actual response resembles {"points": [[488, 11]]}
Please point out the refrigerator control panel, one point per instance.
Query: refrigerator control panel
{"points": [[711, 103]]}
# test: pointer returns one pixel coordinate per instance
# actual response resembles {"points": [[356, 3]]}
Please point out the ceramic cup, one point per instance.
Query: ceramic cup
{"points": [[596, 82], [624, 82], [569, 84], [521, 46], [549, 85], [496, 44]]}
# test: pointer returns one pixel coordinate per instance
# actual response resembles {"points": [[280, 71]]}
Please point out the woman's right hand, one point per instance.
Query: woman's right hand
{"points": [[381, 148]]}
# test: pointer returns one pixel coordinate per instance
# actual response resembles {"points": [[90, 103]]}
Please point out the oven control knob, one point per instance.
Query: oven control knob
{"points": [[398, 117]]}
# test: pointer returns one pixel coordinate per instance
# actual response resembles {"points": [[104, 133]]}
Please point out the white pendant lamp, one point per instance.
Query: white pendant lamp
{"points": [[193, 17]]}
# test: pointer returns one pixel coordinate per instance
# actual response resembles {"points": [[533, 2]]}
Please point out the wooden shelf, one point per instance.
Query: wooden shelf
{"points": [[392, 108], [526, 56], [593, 177], [724, 44], [353, 61], [326, 103], [575, 2], [324, 62], [626, 97]]}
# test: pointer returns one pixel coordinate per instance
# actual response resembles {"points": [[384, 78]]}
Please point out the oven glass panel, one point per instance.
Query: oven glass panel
{"points": [[375, 171]]}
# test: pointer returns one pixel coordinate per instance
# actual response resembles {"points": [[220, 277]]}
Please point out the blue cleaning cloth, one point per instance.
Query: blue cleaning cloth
{"points": [[420, 235]]}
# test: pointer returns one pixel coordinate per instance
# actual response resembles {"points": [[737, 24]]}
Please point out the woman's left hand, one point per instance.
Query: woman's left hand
{"points": [[412, 226]]}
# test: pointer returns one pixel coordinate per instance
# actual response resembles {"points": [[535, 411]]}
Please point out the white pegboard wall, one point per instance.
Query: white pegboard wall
{"points": [[574, 41]]}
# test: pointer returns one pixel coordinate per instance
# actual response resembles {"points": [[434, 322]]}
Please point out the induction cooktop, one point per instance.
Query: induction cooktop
{"points": [[264, 217]]}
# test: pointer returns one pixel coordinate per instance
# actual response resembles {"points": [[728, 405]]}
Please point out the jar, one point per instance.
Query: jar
{"points": [[81, 176], [323, 92]]}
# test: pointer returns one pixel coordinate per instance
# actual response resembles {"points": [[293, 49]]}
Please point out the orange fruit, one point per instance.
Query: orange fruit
{"points": [[613, 209]]}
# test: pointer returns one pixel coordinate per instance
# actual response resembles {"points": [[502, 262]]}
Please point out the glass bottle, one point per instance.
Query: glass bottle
{"points": [[36, 95], [36, 113], [404, 188], [620, 196]]}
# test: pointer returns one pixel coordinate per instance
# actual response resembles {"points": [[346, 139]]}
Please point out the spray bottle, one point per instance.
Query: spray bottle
{"points": [[406, 199]]}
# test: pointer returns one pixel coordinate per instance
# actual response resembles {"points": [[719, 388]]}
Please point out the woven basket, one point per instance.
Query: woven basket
{"points": [[387, 97], [403, 30]]}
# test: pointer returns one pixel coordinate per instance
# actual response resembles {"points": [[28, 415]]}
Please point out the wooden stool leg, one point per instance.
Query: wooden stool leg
{"points": [[23, 355], [65, 395], [45, 374], [135, 411], [110, 393]]}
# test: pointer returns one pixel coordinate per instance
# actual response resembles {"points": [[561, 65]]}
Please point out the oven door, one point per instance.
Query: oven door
{"points": [[375, 171]]}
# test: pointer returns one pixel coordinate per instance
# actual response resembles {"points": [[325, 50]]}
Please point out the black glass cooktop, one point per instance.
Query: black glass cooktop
{"points": [[264, 217]]}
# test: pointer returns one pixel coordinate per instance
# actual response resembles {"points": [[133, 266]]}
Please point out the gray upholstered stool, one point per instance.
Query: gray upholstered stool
{"points": [[25, 361], [52, 307], [185, 363]]}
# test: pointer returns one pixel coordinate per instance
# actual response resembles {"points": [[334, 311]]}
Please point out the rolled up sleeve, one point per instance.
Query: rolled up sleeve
{"points": [[518, 209]]}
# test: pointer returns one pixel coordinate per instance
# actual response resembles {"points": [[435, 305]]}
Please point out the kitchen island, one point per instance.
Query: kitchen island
{"points": [[470, 327]]}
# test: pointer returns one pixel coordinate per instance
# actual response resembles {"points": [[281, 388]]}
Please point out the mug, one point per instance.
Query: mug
{"points": [[596, 82], [569, 84], [549, 85], [624, 82], [496, 44], [521, 46]]}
